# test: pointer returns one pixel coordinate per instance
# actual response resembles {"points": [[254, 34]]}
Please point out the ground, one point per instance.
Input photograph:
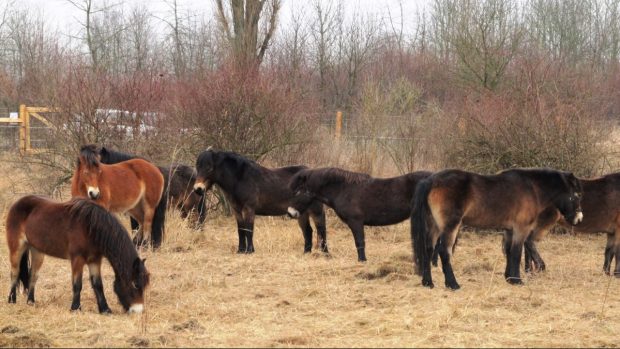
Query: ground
{"points": [[204, 294]]}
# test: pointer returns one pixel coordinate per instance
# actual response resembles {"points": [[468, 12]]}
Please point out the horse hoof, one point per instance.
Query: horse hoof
{"points": [[428, 284], [514, 281], [105, 311], [453, 286], [74, 309], [30, 302]]}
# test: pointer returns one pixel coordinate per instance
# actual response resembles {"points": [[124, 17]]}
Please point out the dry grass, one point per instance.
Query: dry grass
{"points": [[204, 294]]}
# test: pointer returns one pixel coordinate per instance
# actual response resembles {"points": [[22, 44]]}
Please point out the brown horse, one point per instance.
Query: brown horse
{"points": [[133, 186], [78, 230], [601, 214], [178, 189], [252, 189], [359, 199], [512, 200]]}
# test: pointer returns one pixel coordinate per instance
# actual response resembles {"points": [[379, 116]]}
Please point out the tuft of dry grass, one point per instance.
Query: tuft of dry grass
{"points": [[204, 294]]}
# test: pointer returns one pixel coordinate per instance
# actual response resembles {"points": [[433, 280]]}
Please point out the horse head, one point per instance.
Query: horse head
{"points": [[89, 170], [569, 200], [299, 183], [130, 287], [205, 166]]}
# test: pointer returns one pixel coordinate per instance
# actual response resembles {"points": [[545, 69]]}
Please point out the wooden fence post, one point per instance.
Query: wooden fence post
{"points": [[338, 124], [22, 128]]}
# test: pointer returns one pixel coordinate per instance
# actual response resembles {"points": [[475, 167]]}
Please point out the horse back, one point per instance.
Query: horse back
{"points": [[44, 225], [128, 181]]}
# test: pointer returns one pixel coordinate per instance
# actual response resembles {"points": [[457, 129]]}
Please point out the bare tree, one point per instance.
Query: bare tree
{"points": [[240, 19]]}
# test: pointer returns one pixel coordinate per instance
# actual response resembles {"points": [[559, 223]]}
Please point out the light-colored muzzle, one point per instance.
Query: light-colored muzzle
{"points": [[200, 188], [136, 308], [93, 192], [578, 218], [292, 212]]}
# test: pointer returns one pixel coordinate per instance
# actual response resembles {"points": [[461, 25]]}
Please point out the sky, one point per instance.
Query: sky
{"points": [[61, 15]]}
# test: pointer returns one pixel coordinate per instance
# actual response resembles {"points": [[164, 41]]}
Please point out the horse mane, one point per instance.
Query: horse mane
{"points": [[106, 233], [240, 162], [109, 156], [328, 175], [90, 153]]}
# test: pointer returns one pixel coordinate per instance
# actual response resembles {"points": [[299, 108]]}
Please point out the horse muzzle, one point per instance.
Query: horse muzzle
{"points": [[136, 308], [578, 218], [200, 188], [293, 213], [93, 193]]}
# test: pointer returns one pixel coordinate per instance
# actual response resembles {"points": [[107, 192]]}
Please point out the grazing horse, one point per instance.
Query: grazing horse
{"points": [[601, 214], [512, 200], [178, 188], [78, 230], [133, 186], [359, 199], [252, 189]]}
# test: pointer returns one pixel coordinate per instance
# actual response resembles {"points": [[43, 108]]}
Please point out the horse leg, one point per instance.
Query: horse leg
{"points": [[609, 254], [435, 257], [616, 253], [448, 239], [513, 265], [304, 223], [357, 228], [532, 257], [94, 271], [15, 260], [138, 214], [318, 217], [147, 225], [77, 268], [248, 224], [241, 230], [35, 265]]}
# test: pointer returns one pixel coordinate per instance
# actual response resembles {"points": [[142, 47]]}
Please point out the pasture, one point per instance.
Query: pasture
{"points": [[204, 294]]}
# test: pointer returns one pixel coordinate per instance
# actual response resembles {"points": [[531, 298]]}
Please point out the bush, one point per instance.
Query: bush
{"points": [[499, 132]]}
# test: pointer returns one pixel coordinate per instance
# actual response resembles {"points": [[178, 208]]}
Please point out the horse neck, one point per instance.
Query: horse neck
{"points": [[114, 243]]}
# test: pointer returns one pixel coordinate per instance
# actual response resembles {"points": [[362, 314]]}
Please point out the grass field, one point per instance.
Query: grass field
{"points": [[203, 294]]}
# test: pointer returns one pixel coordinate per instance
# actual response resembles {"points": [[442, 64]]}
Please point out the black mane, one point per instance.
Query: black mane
{"points": [[329, 175], [90, 154], [109, 156]]}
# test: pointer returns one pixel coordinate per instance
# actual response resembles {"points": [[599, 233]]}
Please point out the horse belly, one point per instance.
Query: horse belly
{"points": [[51, 240], [122, 201]]}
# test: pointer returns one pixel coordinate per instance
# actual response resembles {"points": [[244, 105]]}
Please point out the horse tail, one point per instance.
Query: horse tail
{"points": [[159, 218], [24, 270], [419, 224], [18, 213]]}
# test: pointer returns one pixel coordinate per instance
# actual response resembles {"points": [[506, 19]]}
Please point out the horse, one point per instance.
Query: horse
{"points": [[359, 199], [178, 188], [512, 200], [78, 230], [134, 186], [252, 189], [601, 214]]}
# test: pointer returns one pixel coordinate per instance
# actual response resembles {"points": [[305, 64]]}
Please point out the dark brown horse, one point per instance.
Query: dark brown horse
{"points": [[78, 230], [359, 199], [512, 200], [601, 214], [133, 186], [178, 188], [252, 189]]}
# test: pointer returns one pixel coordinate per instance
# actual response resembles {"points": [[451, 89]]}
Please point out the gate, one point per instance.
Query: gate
{"points": [[28, 122]]}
